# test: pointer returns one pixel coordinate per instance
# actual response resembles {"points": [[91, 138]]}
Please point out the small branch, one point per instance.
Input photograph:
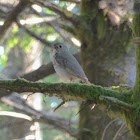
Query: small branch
{"points": [[124, 133], [64, 13], [119, 131], [61, 33], [67, 28], [33, 34], [42, 13], [112, 121], [73, 91], [39, 116], [43, 71], [56, 28], [15, 115], [117, 102], [73, 1], [12, 17]]}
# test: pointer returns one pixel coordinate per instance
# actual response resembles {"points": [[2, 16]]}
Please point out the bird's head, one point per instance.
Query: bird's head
{"points": [[59, 47]]}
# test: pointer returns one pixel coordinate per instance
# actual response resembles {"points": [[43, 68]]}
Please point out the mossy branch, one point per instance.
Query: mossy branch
{"points": [[74, 91], [117, 102], [133, 118]]}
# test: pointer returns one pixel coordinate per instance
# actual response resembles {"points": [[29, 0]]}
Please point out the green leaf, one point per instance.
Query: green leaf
{"points": [[47, 11], [15, 29], [3, 59], [13, 42], [27, 48]]}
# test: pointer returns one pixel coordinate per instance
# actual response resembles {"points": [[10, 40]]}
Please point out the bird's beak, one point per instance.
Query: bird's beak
{"points": [[54, 47]]}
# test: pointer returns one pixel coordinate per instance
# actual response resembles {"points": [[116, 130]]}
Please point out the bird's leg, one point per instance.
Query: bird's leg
{"points": [[63, 102]]}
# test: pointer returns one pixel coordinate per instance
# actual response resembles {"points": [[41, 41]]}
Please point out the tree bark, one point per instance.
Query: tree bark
{"points": [[104, 59]]}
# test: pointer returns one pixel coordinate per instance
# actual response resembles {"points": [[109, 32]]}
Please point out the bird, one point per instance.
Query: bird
{"points": [[66, 65]]}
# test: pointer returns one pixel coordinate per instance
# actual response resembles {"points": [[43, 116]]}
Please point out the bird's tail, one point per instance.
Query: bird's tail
{"points": [[85, 80]]}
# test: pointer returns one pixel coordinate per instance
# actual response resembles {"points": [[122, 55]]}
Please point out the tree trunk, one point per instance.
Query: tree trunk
{"points": [[106, 60]]}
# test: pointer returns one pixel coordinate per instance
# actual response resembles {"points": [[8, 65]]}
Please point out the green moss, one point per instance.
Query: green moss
{"points": [[87, 92], [136, 25], [136, 31], [133, 120]]}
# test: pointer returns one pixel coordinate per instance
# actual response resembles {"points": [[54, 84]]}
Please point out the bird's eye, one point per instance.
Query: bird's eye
{"points": [[60, 46]]}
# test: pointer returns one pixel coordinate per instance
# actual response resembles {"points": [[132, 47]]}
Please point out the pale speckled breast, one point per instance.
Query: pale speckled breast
{"points": [[63, 73]]}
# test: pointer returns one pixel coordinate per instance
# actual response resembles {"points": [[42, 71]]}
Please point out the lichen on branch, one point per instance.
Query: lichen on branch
{"points": [[75, 91], [133, 118]]}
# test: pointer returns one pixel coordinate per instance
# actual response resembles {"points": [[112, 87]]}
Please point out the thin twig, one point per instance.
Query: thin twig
{"points": [[119, 131], [29, 95], [112, 121], [117, 102], [60, 123], [64, 13], [73, 1], [36, 36], [124, 133], [12, 17], [56, 28]]}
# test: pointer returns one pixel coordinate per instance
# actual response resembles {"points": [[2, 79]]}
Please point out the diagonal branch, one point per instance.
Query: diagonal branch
{"points": [[39, 116], [43, 71], [40, 73], [117, 102], [67, 28], [73, 1], [57, 28], [15, 115], [64, 13], [12, 17], [74, 91], [36, 36]]}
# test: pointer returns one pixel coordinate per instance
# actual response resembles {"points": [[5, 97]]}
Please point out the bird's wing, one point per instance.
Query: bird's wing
{"points": [[70, 64]]}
